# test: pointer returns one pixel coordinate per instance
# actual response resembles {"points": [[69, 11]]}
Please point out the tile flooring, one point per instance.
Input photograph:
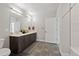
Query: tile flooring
{"points": [[40, 49]]}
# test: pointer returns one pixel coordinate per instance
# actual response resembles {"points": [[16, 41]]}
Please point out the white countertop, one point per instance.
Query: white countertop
{"points": [[20, 34]]}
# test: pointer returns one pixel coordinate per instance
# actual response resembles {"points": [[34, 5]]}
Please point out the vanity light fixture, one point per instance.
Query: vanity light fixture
{"points": [[16, 11]]}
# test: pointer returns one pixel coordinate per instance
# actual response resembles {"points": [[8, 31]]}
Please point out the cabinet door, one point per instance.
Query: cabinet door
{"points": [[21, 44], [14, 44], [27, 40], [33, 37]]}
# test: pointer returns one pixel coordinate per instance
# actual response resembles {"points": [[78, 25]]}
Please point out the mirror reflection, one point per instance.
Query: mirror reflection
{"points": [[20, 23]]}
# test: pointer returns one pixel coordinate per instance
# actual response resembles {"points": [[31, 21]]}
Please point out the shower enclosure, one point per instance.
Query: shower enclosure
{"points": [[68, 16]]}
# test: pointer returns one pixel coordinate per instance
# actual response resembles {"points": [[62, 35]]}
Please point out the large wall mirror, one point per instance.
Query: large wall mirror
{"points": [[19, 23]]}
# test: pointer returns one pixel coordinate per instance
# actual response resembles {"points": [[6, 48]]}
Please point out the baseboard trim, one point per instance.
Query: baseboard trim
{"points": [[46, 41]]}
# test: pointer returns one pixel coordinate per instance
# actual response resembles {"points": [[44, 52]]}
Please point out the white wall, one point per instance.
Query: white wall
{"points": [[75, 29], [51, 30], [63, 15], [74, 25], [59, 18], [40, 27], [4, 24]]}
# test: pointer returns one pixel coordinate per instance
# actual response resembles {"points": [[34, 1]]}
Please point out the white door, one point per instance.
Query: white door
{"points": [[50, 30]]}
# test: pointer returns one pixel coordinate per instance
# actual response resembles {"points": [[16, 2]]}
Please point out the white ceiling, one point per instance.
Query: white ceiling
{"points": [[42, 9]]}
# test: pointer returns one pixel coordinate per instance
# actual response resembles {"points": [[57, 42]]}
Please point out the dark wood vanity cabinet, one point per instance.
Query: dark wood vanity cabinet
{"points": [[18, 44]]}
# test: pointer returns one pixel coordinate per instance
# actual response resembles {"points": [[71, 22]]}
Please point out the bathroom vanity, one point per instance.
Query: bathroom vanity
{"points": [[19, 42]]}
